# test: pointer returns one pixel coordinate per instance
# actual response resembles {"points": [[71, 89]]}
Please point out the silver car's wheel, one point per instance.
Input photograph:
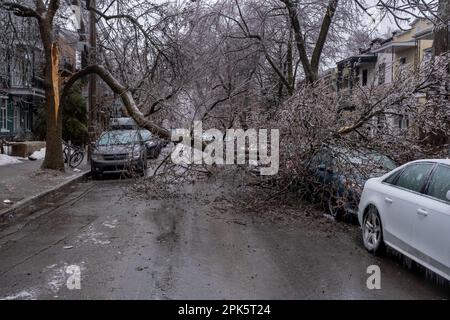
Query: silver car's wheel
{"points": [[372, 231]]}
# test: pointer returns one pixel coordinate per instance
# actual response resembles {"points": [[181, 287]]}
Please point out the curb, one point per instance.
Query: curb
{"points": [[30, 201]]}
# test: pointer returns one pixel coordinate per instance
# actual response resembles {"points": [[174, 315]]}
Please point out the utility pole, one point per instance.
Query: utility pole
{"points": [[92, 90]]}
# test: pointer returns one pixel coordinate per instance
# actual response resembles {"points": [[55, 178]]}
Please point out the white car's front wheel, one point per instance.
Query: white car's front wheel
{"points": [[372, 231]]}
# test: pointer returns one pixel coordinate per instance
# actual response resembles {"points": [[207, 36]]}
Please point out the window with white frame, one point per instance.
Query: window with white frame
{"points": [[3, 115]]}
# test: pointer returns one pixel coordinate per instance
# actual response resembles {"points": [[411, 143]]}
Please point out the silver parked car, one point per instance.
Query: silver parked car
{"points": [[119, 151]]}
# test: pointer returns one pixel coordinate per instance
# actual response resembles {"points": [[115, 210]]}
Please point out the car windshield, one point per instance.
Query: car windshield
{"points": [[146, 135], [365, 157], [382, 160], [122, 137]]}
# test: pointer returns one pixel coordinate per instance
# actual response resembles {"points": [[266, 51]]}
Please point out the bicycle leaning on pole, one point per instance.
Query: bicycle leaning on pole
{"points": [[74, 156]]}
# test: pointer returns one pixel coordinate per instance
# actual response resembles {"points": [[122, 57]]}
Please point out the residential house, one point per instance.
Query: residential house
{"points": [[410, 48], [405, 49], [21, 74], [380, 62], [21, 83], [357, 70]]}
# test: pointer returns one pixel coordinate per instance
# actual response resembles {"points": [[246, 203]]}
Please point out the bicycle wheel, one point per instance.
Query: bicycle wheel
{"points": [[76, 158], [65, 155]]}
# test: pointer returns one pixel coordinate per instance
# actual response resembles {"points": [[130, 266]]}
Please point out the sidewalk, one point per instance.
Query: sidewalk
{"points": [[24, 180]]}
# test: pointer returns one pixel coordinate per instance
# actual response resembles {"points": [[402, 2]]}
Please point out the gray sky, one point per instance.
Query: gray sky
{"points": [[383, 23]]}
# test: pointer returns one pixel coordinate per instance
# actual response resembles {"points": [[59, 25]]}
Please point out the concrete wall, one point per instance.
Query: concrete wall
{"points": [[25, 149]]}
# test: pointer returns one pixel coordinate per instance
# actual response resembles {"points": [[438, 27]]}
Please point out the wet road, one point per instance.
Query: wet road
{"points": [[184, 248]]}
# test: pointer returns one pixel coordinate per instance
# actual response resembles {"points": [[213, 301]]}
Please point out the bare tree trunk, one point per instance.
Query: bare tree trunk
{"points": [[441, 35], [310, 67], [53, 155], [290, 65], [44, 13], [441, 45]]}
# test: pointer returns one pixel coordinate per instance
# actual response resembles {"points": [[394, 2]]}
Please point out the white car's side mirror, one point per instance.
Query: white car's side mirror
{"points": [[448, 195]]}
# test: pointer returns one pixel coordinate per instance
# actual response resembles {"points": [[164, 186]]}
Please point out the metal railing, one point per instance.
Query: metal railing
{"points": [[16, 81], [20, 81]]}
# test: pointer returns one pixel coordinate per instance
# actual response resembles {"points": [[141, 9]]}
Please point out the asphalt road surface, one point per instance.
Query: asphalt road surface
{"points": [[125, 247]]}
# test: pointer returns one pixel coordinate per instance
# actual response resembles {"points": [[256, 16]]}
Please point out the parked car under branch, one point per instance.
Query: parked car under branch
{"points": [[119, 151], [337, 176]]}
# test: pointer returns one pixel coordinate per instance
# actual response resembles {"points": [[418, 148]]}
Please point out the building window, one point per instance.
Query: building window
{"points": [[403, 122], [27, 120], [3, 115], [382, 73], [78, 60], [427, 55], [381, 123], [365, 74]]}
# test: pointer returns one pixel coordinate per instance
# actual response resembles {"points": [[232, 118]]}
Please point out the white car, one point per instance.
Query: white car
{"points": [[408, 210]]}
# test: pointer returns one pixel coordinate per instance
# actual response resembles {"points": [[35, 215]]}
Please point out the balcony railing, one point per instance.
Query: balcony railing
{"points": [[19, 81]]}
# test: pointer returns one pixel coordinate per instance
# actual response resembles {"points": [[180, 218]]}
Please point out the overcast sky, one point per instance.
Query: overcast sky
{"points": [[383, 23]]}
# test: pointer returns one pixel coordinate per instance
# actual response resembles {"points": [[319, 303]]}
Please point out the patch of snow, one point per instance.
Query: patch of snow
{"points": [[6, 160], [93, 236], [38, 155], [57, 279], [110, 224], [22, 295]]}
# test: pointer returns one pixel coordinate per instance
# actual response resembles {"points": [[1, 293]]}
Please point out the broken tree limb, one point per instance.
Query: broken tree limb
{"points": [[55, 77], [123, 92]]}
